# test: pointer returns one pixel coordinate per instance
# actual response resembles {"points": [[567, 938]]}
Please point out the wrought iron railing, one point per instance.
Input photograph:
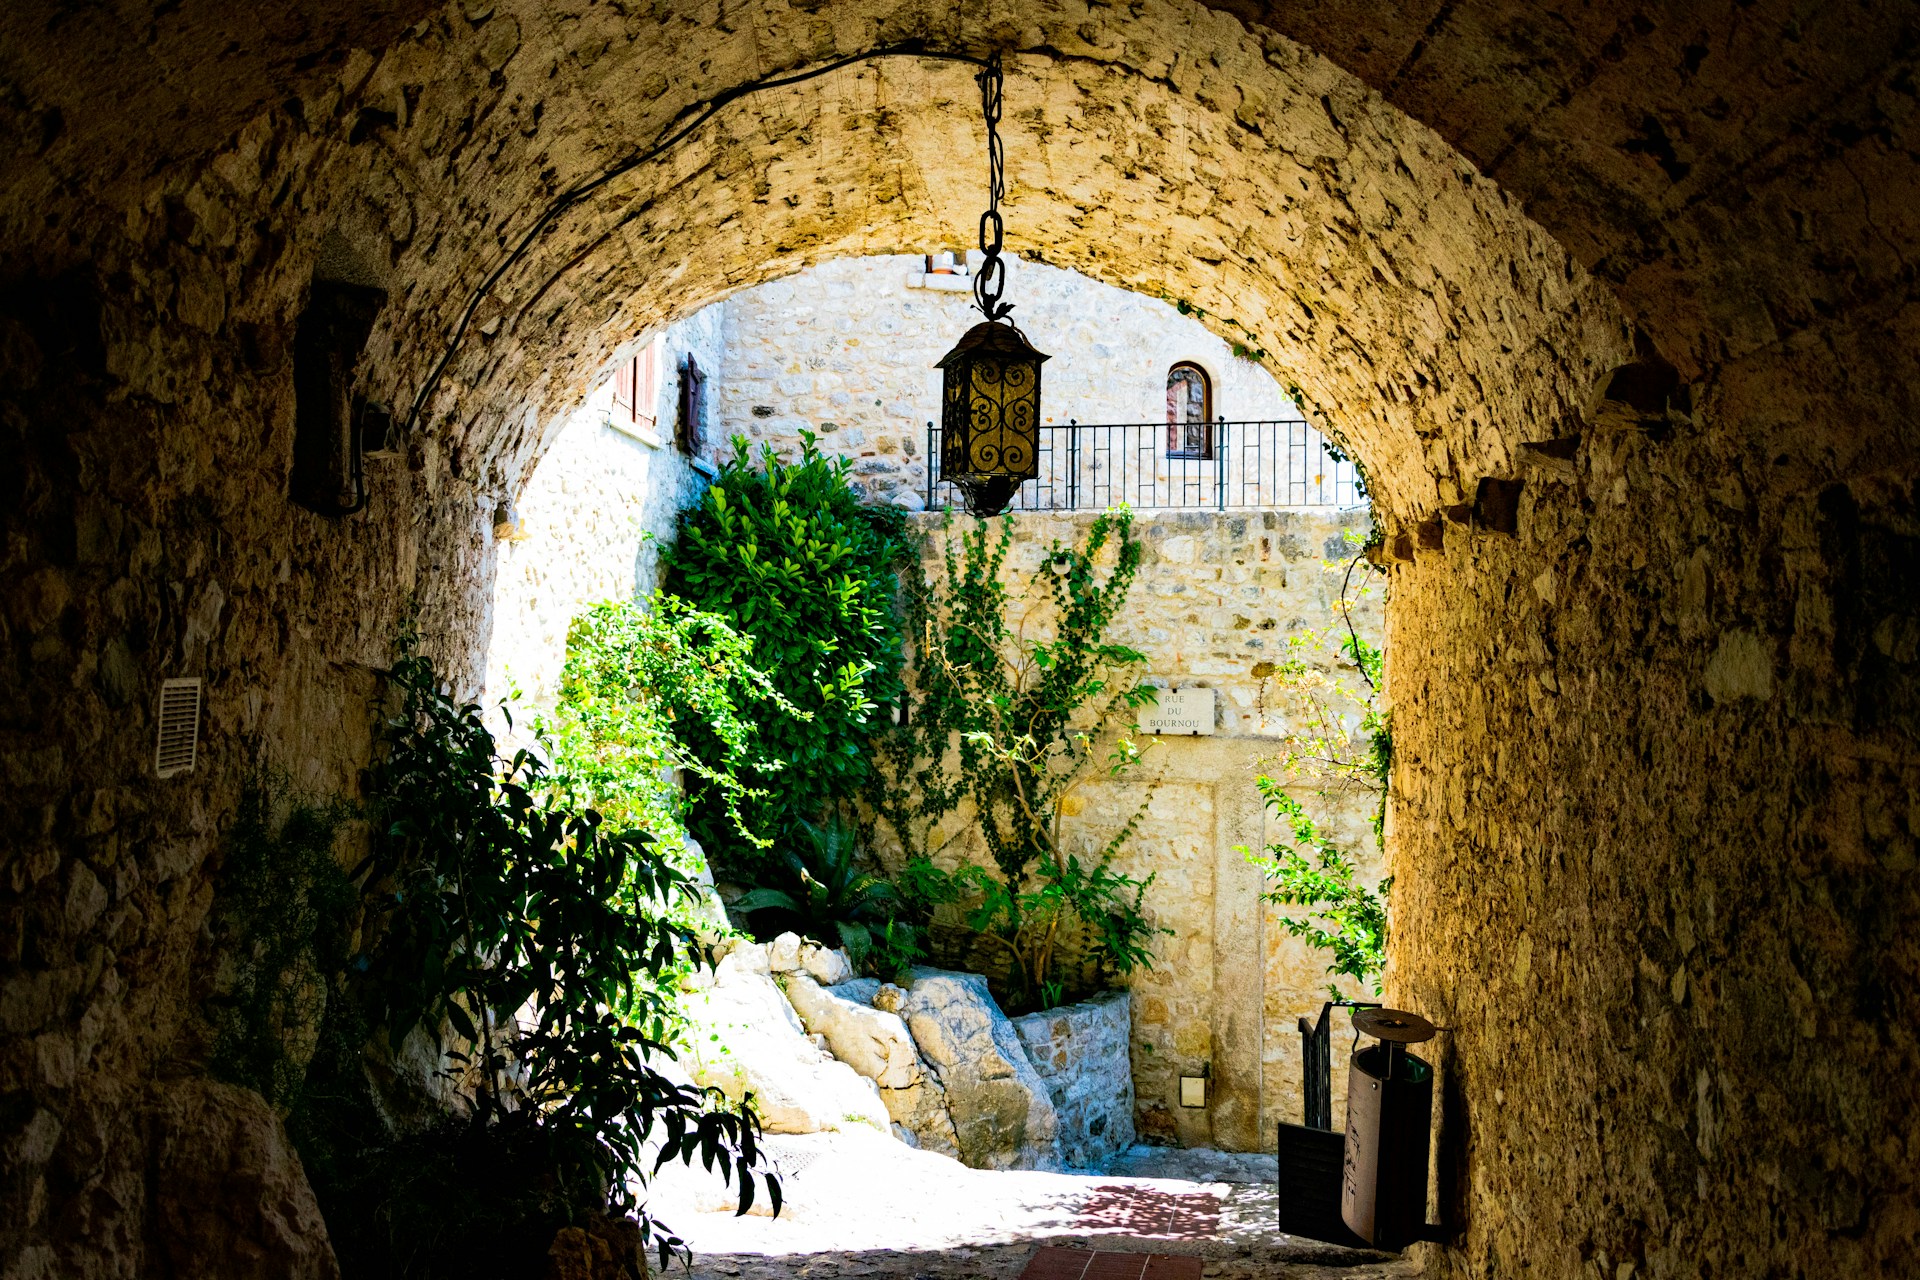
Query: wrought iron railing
{"points": [[1150, 466]]}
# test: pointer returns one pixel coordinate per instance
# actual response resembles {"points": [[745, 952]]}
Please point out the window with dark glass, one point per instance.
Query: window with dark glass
{"points": [[1189, 412]]}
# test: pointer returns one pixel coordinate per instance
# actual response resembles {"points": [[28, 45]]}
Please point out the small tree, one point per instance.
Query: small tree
{"points": [[791, 558], [1004, 724]]}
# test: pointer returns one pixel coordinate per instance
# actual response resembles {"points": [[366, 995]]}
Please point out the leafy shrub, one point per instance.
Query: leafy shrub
{"points": [[637, 677], [830, 898], [508, 932], [790, 557], [503, 898], [1003, 727]]}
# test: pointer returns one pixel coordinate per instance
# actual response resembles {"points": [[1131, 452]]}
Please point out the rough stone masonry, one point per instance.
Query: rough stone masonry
{"points": [[1616, 304]]}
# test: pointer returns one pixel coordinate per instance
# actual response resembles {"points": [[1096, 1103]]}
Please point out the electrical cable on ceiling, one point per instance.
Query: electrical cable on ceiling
{"points": [[702, 113]]}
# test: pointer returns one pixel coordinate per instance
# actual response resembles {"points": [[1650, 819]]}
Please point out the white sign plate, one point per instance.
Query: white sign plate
{"points": [[1179, 711]]}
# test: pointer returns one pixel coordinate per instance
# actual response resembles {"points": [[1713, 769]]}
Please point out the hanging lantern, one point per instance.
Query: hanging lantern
{"points": [[990, 389], [990, 416]]}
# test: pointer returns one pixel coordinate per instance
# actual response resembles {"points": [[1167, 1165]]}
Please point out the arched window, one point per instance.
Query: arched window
{"points": [[1189, 411]]}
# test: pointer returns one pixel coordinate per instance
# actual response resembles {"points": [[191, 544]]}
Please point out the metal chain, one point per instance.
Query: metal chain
{"points": [[991, 281]]}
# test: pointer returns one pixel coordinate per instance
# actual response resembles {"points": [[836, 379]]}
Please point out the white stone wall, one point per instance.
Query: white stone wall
{"points": [[592, 519], [846, 350]]}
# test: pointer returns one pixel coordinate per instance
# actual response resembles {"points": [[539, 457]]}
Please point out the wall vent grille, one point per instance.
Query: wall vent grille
{"points": [[179, 744]]}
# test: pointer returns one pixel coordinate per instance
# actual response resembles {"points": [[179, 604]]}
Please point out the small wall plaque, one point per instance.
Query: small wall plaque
{"points": [[1179, 711]]}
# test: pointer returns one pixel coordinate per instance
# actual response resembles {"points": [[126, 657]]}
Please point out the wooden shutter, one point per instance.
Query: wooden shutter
{"points": [[623, 388], [646, 383], [692, 433]]}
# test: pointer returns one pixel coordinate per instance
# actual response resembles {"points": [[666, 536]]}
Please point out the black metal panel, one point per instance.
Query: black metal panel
{"points": [[1309, 1192], [1316, 1063]]}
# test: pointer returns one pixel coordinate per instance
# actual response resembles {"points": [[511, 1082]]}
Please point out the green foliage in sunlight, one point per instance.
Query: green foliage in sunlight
{"points": [[1018, 698], [1343, 917], [1337, 737], [827, 896], [648, 689], [792, 559]]}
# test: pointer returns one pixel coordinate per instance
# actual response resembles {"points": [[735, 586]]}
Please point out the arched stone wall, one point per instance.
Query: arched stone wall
{"points": [[1654, 853]]}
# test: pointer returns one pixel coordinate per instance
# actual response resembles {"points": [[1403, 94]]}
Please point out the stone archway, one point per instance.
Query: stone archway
{"points": [[1656, 706]]}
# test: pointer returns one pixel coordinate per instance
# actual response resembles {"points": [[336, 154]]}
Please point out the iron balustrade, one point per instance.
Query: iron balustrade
{"points": [[1233, 466]]}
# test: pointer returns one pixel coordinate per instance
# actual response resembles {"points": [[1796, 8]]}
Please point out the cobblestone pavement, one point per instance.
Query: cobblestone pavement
{"points": [[866, 1206]]}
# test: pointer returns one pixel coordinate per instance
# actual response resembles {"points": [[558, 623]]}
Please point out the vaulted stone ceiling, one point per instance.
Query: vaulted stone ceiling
{"points": [[1656, 744]]}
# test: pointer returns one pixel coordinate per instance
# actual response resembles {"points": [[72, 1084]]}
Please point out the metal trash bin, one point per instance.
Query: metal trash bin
{"points": [[1383, 1194]]}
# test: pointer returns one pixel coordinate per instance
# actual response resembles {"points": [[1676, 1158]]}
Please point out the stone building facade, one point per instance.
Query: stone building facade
{"points": [[847, 350], [1217, 597]]}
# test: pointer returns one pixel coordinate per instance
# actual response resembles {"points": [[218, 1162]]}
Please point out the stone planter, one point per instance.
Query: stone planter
{"points": [[1082, 1053]]}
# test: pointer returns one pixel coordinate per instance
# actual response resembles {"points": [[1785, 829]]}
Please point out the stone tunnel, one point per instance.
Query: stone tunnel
{"points": [[1615, 304]]}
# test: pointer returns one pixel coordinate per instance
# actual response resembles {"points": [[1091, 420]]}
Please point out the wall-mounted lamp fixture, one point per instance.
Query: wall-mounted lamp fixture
{"points": [[507, 525]]}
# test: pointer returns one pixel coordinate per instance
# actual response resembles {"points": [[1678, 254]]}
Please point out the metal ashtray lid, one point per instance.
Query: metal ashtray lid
{"points": [[1395, 1025]]}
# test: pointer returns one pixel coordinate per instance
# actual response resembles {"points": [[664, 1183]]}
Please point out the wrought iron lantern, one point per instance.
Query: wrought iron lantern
{"points": [[990, 392]]}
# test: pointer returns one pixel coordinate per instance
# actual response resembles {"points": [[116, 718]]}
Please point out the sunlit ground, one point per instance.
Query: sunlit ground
{"points": [[859, 1204]]}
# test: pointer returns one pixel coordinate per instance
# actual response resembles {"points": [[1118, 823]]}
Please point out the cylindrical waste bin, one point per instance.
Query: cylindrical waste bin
{"points": [[1383, 1194]]}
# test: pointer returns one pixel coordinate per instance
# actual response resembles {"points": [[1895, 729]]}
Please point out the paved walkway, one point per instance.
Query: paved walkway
{"points": [[863, 1205]]}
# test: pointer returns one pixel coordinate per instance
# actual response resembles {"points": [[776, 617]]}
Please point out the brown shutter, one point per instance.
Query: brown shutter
{"points": [[646, 383], [692, 431]]}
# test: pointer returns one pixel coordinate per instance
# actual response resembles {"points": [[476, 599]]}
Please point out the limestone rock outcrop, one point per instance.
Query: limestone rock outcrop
{"points": [[1002, 1111], [744, 1038], [875, 1044], [229, 1199], [878, 1045]]}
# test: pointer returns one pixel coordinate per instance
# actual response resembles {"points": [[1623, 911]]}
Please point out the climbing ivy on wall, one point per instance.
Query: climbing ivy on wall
{"points": [[789, 555], [281, 928], [1017, 699]]}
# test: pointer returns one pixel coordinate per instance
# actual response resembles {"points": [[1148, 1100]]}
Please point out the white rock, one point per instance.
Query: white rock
{"points": [[743, 1038], [746, 959], [874, 1043], [784, 955], [827, 967], [887, 996], [1002, 1112]]}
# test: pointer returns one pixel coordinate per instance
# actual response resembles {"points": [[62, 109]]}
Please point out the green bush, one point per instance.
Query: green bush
{"points": [[830, 898], [502, 897], [790, 557], [638, 676], [506, 930]]}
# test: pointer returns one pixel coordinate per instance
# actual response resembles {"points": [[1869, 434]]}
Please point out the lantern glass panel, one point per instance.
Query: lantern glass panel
{"points": [[991, 415]]}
